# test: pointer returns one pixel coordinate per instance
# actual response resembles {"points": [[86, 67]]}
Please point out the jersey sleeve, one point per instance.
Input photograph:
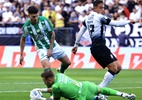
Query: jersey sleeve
{"points": [[56, 91], [80, 33], [118, 23], [84, 23], [48, 25], [25, 32], [104, 20]]}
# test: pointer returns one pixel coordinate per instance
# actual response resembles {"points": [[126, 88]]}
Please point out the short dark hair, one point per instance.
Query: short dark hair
{"points": [[96, 2], [32, 10], [47, 74]]}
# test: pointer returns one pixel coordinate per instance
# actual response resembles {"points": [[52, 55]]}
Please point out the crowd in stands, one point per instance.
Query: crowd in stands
{"points": [[68, 13], [65, 13]]}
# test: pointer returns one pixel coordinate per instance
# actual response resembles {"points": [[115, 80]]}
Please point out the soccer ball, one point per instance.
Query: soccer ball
{"points": [[35, 95], [51, 97]]}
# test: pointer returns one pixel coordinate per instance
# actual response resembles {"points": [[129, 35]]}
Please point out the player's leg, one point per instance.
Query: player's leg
{"points": [[112, 92], [46, 64], [113, 69], [59, 53], [91, 90], [42, 54], [107, 59], [65, 63]]}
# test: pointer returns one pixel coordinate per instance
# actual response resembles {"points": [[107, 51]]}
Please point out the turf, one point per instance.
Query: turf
{"points": [[16, 83]]}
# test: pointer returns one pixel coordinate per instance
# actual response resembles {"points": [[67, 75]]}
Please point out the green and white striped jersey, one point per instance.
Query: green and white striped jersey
{"points": [[40, 32]]}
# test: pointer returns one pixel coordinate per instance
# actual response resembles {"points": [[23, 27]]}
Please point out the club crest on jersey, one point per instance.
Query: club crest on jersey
{"points": [[111, 56], [44, 27], [42, 54], [31, 32], [37, 30]]}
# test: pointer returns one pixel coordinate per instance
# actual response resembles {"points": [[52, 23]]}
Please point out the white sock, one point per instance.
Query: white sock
{"points": [[119, 93], [107, 79]]}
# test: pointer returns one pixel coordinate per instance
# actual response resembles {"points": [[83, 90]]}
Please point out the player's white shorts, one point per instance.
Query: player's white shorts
{"points": [[57, 53]]}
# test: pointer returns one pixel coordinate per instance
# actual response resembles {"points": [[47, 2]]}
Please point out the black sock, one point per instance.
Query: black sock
{"points": [[63, 68], [111, 72], [46, 69], [117, 72]]}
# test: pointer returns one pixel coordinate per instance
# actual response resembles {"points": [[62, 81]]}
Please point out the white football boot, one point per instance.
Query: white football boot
{"points": [[129, 96]]}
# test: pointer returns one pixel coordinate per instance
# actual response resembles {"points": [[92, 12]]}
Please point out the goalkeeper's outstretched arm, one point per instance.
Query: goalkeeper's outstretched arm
{"points": [[44, 90]]}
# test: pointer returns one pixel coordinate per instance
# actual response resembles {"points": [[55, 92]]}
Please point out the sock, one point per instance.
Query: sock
{"points": [[107, 78], [63, 68], [46, 69], [117, 72], [108, 91], [119, 93]]}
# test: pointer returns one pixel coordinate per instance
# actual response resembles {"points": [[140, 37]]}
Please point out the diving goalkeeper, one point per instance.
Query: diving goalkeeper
{"points": [[64, 86]]}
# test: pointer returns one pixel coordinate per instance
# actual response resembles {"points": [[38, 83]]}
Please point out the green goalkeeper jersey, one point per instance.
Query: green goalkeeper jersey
{"points": [[40, 32], [72, 89]]}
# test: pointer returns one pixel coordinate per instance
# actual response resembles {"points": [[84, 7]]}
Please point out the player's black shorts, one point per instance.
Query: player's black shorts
{"points": [[102, 54]]}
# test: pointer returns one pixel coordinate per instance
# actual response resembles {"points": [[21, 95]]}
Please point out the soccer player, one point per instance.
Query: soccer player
{"points": [[64, 86], [95, 24], [42, 33]]}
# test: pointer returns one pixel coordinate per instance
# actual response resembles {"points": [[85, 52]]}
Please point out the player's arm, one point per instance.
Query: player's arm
{"points": [[120, 23], [22, 44], [52, 35], [110, 22], [44, 90], [56, 92], [78, 38]]}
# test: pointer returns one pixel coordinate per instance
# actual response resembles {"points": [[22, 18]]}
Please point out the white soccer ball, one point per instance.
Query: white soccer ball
{"points": [[35, 95], [51, 97]]}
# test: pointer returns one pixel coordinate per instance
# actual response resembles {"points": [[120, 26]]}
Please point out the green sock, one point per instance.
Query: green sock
{"points": [[46, 69], [63, 68], [108, 91]]}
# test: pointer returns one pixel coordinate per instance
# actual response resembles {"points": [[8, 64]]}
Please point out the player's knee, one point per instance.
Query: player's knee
{"points": [[113, 70], [45, 64], [69, 62], [119, 68]]}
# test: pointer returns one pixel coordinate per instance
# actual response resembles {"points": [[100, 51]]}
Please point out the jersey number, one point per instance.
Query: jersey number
{"points": [[91, 29]]}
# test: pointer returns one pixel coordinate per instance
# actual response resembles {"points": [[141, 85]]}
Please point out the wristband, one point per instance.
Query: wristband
{"points": [[43, 89], [76, 44]]}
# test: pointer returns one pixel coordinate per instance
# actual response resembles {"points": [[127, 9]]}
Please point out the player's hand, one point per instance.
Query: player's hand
{"points": [[49, 53], [132, 21], [21, 60], [74, 49]]}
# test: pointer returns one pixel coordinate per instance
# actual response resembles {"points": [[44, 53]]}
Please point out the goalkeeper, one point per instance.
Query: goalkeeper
{"points": [[64, 86]]}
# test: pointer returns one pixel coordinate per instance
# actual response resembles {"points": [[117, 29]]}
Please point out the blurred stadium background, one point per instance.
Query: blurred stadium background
{"points": [[16, 81]]}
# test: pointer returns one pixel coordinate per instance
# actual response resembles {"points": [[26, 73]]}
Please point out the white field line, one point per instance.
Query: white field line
{"points": [[43, 83], [13, 91], [128, 88], [30, 90], [23, 83]]}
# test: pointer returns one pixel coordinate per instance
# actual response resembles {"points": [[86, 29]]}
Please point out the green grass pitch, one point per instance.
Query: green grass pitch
{"points": [[16, 83]]}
